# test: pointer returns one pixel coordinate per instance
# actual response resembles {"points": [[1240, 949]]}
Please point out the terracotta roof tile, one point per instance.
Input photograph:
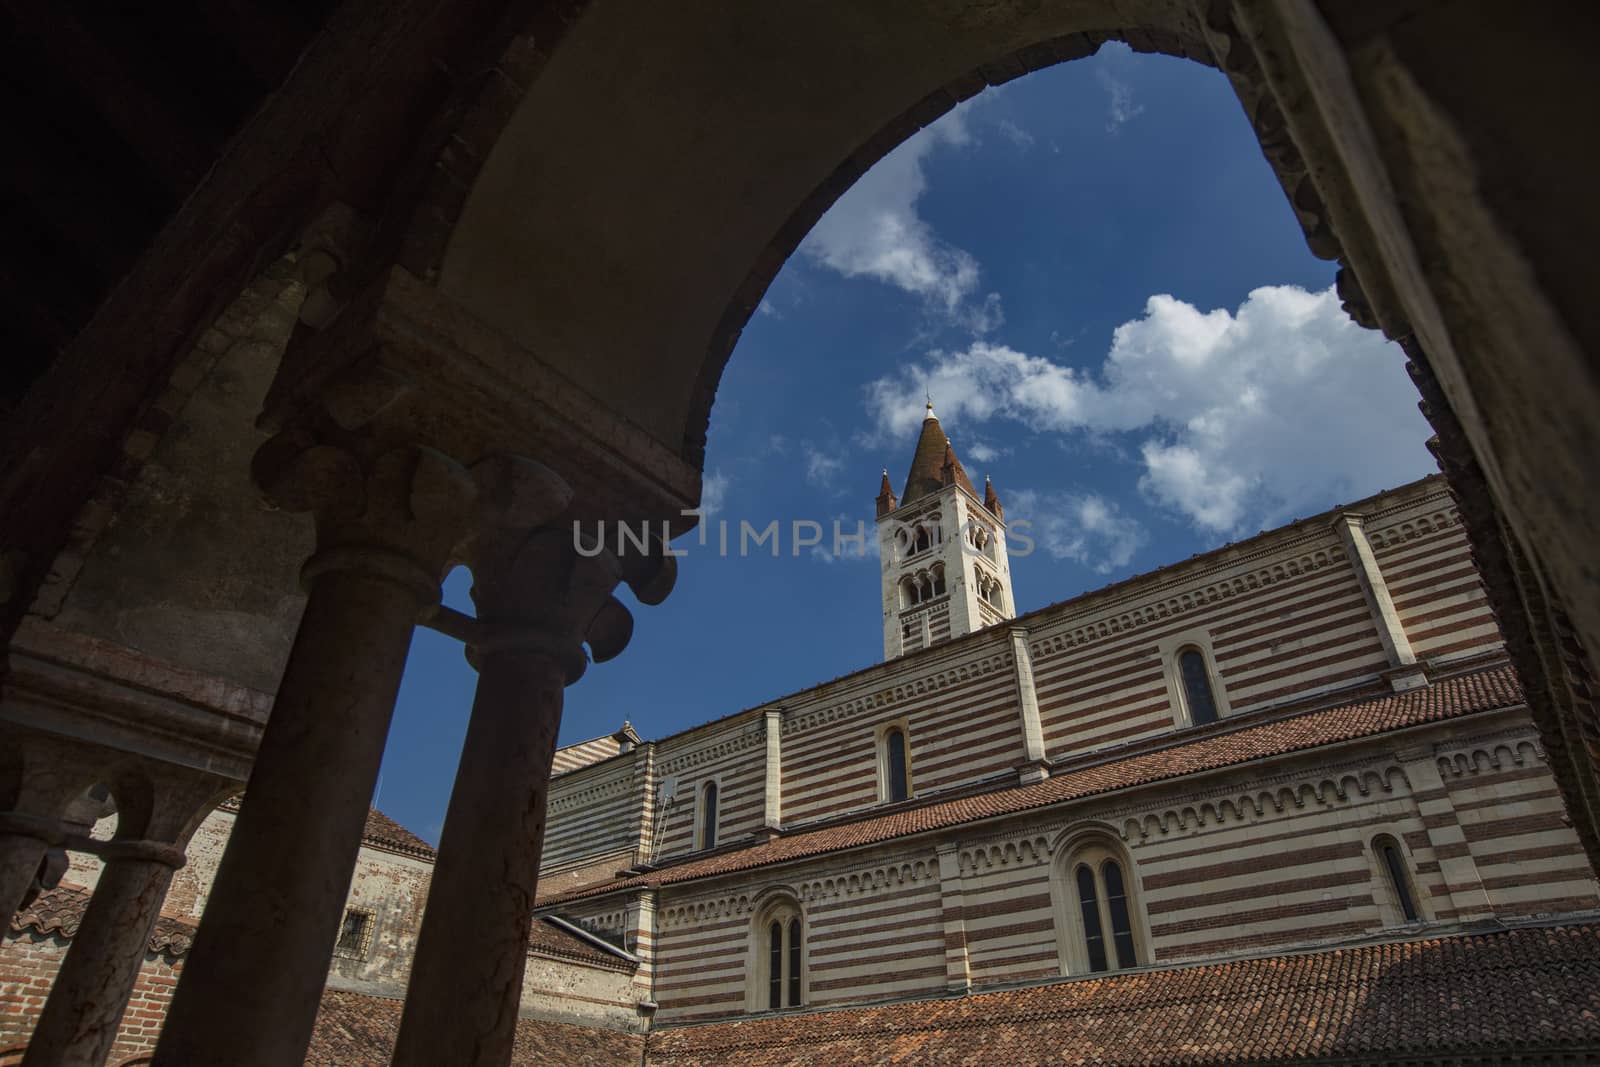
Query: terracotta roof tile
{"points": [[928, 463], [382, 830], [1481, 691], [1517, 991], [58, 912], [355, 1030]]}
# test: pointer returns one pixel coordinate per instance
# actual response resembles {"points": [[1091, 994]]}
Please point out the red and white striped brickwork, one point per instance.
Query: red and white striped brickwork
{"points": [[1281, 854], [1281, 858], [729, 753]]}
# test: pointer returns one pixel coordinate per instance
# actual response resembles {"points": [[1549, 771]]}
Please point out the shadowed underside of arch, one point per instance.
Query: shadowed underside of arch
{"points": [[710, 141]]}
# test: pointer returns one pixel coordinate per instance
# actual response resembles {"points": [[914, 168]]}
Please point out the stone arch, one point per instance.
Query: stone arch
{"points": [[475, 236]]}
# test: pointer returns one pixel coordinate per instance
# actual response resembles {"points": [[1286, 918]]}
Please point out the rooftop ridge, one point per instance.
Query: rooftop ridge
{"points": [[1212, 748], [1299, 529]]}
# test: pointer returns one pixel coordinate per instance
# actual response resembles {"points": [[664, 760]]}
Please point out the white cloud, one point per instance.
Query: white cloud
{"points": [[1121, 108], [874, 231], [821, 467], [1254, 416], [1083, 527], [1014, 133], [713, 493]]}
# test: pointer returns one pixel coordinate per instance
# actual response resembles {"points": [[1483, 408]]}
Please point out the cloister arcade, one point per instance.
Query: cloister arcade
{"points": [[503, 300]]}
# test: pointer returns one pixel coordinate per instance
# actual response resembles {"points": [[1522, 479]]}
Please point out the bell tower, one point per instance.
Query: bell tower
{"points": [[942, 549]]}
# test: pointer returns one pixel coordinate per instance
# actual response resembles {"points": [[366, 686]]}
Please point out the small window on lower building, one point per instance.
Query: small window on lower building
{"points": [[1396, 879], [1099, 923], [355, 935], [778, 980]]}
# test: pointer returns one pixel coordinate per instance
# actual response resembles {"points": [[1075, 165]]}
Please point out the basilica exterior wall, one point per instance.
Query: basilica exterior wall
{"points": [[1284, 855]]}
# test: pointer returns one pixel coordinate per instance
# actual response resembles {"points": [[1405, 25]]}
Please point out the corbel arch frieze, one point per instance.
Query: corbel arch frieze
{"points": [[980, 667]]}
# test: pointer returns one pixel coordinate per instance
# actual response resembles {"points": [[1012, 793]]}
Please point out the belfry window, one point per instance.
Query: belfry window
{"points": [[778, 977], [1199, 698], [706, 825], [938, 581], [1099, 925], [923, 541]]}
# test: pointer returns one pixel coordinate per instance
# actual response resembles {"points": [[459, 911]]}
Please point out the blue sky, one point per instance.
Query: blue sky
{"points": [[1094, 273]]}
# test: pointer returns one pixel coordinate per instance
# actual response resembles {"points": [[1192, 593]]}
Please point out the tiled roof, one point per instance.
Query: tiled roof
{"points": [[58, 911], [355, 1030], [550, 939], [1490, 996], [384, 831], [1215, 747], [379, 830]]}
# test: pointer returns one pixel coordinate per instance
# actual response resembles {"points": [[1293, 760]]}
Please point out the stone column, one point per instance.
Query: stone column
{"points": [[157, 812], [1404, 670], [772, 816], [1033, 751], [539, 600], [80, 1019], [386, 525], [39, 778], [24, 839]]}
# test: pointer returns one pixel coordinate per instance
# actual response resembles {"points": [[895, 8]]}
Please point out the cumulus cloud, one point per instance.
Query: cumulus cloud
{"points": [[1121, 108], [874, 231], [713, 493], [821, 467], [1253, 416], [1083, 527]]}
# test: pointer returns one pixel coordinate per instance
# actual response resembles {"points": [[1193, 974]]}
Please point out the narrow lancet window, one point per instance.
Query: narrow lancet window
{"points": [[708, 816], [1117, 905], [1093, 936], [794, 962], [1202, 703], [894, 743], [1395, 865], [775, 965]]}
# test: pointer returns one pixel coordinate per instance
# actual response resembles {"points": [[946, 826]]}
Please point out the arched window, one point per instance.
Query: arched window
{"points": [[923, 540], [778, 970], [706, 823], [938, 580], [1099, 926], [909, 595], [1400, 904], [896, 765], [1195, 675]]}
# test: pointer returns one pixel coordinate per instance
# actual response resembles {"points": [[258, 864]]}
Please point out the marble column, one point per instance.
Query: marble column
{"points": [[539, 601], [386, 526], [90, 993]]}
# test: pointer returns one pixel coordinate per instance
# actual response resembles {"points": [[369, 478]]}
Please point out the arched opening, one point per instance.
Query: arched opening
{"points": [[1199, 697], [705, 835], [1100, 922], [1397, 898], [776, 971], [894, 759]]}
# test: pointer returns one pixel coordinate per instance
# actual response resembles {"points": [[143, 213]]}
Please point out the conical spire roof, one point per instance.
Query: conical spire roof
{"points": [[928, 463]]}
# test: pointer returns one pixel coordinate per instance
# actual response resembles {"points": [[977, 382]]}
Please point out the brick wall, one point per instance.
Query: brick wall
{"points": [[28, 966]]}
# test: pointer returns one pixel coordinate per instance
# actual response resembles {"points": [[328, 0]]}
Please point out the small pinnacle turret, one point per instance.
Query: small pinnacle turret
{"points": [[991, 499], [886, 500]]}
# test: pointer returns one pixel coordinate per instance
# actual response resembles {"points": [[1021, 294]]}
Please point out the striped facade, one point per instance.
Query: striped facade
{"points": [[1274, 853]]}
